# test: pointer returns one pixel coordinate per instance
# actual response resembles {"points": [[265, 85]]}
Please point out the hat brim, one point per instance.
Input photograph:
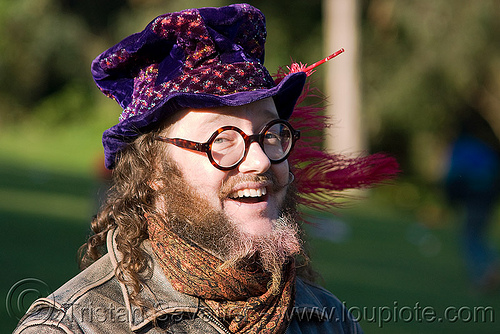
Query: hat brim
{"points": [[116, 138]]}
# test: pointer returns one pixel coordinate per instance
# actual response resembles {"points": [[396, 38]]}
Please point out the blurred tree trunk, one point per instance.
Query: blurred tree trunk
{"points": [[341, 30]]}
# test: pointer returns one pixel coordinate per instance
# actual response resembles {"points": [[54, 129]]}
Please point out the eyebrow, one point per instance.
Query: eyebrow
{"points": [[217, 115], [213, 123]]}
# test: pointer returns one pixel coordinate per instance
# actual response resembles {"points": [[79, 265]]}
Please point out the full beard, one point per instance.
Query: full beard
{"points": [[193, 218]]}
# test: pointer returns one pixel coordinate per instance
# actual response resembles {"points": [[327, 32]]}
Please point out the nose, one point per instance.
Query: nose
{"points": [[256, 160]]}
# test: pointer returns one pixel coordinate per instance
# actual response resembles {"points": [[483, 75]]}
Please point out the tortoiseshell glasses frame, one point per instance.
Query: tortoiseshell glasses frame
{"points": [[225, 151]]}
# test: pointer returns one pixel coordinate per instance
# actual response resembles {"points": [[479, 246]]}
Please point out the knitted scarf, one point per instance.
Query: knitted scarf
{"points": [[238, 297]]}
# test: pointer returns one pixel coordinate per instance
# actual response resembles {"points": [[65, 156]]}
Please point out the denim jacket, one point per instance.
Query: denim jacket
{"points": [[95, 301]]}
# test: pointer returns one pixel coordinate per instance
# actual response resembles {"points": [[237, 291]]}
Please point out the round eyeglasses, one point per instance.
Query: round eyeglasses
{"points": [[228, 146]]}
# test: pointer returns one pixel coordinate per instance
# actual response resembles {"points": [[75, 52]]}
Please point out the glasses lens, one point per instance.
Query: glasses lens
{"points": [[277, 141], [228, 148]]}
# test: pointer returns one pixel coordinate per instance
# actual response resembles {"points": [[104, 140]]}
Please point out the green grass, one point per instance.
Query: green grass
{"points": [[392, 267], [373, 256], [48, 194], [44, 218]]}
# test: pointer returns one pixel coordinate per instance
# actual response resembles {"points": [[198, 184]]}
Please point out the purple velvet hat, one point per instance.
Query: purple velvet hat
{"points": [[196, 58]]}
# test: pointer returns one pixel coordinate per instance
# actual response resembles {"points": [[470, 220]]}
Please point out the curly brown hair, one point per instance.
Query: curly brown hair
{"points": [[128, 200]]}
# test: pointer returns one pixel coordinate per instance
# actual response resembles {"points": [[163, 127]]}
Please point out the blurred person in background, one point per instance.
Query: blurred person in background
{"points": [[200, 231], [473, 186]]}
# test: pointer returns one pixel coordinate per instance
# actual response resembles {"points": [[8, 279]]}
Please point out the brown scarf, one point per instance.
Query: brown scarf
{"points": [[238, 297]]}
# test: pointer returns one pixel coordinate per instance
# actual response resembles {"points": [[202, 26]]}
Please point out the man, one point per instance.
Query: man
{"points": [[200, 229]]}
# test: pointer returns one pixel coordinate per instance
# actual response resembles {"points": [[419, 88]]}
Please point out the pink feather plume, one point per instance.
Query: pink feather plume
{"points": [[320, 176]]}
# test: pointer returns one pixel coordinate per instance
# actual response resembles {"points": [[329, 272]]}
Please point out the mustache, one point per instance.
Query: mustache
{"points": [[267, 177]]}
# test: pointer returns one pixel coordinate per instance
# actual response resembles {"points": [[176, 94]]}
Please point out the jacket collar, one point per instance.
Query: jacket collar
{"points": [[158, 294]]}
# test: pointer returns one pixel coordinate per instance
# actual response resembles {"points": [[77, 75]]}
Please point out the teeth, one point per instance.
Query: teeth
{"points": [[249, 193]]}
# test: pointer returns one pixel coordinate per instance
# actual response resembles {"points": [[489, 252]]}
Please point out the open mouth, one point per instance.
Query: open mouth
{"points": [[250, 195]]}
